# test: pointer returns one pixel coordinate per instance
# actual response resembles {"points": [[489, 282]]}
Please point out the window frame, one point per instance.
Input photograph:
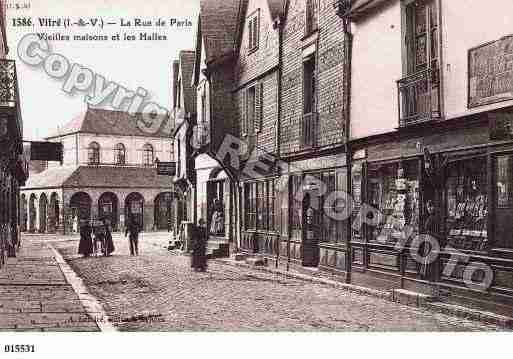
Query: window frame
{"points": [[148, 148], [94, 154], [310, 83], [311, 17], [120, 154], [253, 27]]}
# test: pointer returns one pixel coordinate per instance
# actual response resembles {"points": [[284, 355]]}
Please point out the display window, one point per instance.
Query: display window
{"points": [[393, 190], [467, 204], [503, 201]]}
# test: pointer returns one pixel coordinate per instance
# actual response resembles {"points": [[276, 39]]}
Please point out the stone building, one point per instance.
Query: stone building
{"points": [[108, 171], [13, 165]]}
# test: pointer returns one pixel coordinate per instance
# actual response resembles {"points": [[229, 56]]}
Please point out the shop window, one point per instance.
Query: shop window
{"points": [[394, 192], [467, 205], [503, 202], [260, 201], [296, 205]]}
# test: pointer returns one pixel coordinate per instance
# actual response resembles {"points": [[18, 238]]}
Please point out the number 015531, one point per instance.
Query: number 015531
{"points": [[19, 348]]}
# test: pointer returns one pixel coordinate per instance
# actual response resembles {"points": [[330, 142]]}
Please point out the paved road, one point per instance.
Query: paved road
{"points": [[157, 291]]}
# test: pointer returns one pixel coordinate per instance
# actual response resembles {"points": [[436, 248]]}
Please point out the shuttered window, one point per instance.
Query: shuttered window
{"points": [[253, 31], [252, 113]]}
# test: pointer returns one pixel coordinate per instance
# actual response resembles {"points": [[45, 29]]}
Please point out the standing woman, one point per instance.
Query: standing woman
{"points": [[85, 246], [109, 243]]}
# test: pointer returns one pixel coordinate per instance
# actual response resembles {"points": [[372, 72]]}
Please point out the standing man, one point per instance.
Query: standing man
{"points": [[133, 229]]}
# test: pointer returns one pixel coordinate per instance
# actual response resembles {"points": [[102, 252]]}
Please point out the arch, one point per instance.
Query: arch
{"points": [[54, 213], [108, 207], [24, 214], [32, 213], [120, 154], [43, 213], [93, 153], [134, 206], [80, 205], [148, 155], [163, 211]]}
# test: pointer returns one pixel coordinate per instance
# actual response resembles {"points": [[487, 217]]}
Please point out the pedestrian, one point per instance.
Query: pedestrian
{"points": [[199, 247], [85, 246], [75, 224], [432, 230], [108, 247], [132, 230]]}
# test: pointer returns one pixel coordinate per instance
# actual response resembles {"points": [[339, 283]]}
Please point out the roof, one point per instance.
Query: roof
{"points": [[361, 7], [219, 23], [51, 178], [108, 177], [277, 8], [187, 59], [107, 122]]}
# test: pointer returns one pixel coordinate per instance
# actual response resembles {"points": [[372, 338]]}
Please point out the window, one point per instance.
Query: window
{"points": [[179, 94], [421, 36], [253, 31], [467, 204], [93, 153], [148, 155], [503, 201], [309, 93], [120, 154], [311, 16], [260, 201], [393, 189], [252, 112]]}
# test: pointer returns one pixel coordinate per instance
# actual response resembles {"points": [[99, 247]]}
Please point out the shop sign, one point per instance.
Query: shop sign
{"points": [[166, 168], [46, 151], [490, 72]]}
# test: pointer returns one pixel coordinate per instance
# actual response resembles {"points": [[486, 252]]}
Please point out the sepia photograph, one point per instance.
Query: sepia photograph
{"points": [[248, 177]]}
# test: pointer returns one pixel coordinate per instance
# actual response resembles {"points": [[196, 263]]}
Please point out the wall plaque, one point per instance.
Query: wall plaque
{"points": [[491, 72]]}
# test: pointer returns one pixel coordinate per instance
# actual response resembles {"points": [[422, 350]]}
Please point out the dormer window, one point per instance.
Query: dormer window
{"points": [[253, 31]]}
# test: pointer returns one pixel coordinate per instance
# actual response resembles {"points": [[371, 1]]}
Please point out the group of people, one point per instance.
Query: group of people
{"points": [[96, 238]]}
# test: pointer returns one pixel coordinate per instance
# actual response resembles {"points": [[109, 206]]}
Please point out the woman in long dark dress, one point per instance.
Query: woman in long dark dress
{"points": [[109, 243], [199, 255], [85, 246]]}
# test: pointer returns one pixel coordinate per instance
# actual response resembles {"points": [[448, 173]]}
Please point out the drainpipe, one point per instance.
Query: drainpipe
{"points": [[348, 44], [278, 24]]}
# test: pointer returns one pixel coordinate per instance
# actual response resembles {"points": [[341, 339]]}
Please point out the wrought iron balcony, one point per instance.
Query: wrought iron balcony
{"points": [[309, 130], [419, 97], [9, 94]]}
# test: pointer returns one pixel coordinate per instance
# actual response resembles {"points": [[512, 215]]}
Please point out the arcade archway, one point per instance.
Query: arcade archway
{"points": [[163, 216], [43, 213], [108, 205], [80, 205], [134, 207]]}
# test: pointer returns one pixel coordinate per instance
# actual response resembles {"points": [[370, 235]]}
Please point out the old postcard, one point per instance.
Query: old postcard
{"points": [[253, 166]]}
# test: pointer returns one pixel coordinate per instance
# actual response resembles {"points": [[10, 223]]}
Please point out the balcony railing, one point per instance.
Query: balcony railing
{"points": [[8, 83], [309, 130], [419, 97]]}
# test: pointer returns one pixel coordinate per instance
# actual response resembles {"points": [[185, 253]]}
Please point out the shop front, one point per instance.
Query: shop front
{"points": [[452, 184]]}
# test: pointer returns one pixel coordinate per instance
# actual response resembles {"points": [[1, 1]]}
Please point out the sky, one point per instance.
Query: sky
{"points": [[132, 64]]}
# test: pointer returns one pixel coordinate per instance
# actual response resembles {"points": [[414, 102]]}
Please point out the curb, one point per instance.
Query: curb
{"points": [[440, 307]]}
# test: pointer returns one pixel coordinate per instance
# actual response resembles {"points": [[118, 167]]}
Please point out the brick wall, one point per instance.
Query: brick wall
{"points": [[329, 56]]}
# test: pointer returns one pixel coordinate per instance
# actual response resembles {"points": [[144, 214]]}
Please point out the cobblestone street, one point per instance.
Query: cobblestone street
{"points": [[157, 291]]}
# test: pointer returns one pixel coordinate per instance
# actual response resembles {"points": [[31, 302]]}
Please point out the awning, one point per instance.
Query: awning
{"points": [[359, 7]]}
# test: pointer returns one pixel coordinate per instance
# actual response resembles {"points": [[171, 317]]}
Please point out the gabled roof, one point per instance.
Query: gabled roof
{"points": [[107, 122], [218, 27], [85, 176], [187, 59], [277, 8]]}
